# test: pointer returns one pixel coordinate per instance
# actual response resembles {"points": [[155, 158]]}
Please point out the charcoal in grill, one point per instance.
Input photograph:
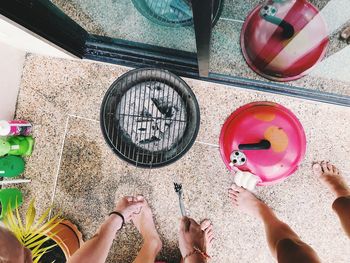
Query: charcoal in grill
{"points": [[150, 117]]}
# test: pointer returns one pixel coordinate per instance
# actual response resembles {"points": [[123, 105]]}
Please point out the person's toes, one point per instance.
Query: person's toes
{"points": [[210, 239], [208, 229], [233, 192], [330, 167], [236, 188], [205, 224], [129, 198], [336, 170], [345, 33], [317, 169], [140, 198], [233, 197], [209, 232], [324, 166]]}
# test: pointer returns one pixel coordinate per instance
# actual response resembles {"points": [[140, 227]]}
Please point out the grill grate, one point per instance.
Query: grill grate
{"points": [[171, 13], [150, 117]]}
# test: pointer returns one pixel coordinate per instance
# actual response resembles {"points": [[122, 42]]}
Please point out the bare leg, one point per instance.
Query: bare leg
{"points": [[151, 240], [331, 177], [285, 245]]}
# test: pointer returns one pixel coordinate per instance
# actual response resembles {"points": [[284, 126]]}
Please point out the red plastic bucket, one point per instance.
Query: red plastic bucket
{"points": [[257, 122]]}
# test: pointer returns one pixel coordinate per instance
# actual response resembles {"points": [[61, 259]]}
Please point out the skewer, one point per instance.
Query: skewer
{"points": [[17, 181], [179, 191]]}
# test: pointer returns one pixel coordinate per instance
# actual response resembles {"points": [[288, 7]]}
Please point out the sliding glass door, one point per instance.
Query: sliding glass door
{"points": [[293, 47]]}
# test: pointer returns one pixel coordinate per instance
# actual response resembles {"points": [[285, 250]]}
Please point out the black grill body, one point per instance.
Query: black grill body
{"points": [[150, 117]]}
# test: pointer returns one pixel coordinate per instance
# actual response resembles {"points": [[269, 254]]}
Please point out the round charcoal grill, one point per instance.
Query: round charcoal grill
{"points": [[172, 13], [150, 117]]}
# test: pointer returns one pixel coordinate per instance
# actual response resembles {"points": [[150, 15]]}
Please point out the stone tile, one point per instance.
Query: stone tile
{"points": [[83, 18], [225, 52], [238, 10], [89, 177], [71, 85], [48, 127]]}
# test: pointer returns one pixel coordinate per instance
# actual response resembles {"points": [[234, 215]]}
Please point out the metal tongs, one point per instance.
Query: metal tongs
{"points": [[179, 191]]}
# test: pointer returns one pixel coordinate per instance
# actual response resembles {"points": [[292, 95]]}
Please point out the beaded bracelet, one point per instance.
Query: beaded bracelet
{"points": [[121, 216], [196, 250]]}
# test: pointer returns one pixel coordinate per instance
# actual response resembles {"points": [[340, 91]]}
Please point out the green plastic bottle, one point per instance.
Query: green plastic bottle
{"points": [[11, 166], [8, 199], [18, 145]]}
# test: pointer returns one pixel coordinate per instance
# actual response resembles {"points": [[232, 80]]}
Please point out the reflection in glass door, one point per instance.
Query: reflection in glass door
{"points": [[314, 57], [165, 23]]}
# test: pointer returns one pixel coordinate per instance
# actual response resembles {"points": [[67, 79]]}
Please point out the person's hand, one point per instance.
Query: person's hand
{"points": [[190, 235], [129, 206]]}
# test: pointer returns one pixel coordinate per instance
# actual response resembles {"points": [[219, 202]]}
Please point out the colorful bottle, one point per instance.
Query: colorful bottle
{"points": [[15, 128], [18, 145]]}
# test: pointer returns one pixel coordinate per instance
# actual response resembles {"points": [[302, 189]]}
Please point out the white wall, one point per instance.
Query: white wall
{"points": [[19, 37], [11, 65], [15, 42]]}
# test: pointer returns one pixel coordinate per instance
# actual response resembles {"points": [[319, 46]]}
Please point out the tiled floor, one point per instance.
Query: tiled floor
{"points": [[73, 166], [120, 19]]}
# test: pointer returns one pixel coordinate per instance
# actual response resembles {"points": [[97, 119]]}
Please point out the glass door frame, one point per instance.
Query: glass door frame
{"points": [[45, 19]]}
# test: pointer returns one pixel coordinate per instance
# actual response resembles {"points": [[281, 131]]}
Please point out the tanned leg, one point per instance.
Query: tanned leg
{"points": [[151, 240], [285, 245]]}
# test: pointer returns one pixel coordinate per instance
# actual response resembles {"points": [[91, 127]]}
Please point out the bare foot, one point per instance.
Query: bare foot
{"points": [[193, 235], [330, 176], [208, 229], [246, 201], [145, 225], [345, 34]]}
